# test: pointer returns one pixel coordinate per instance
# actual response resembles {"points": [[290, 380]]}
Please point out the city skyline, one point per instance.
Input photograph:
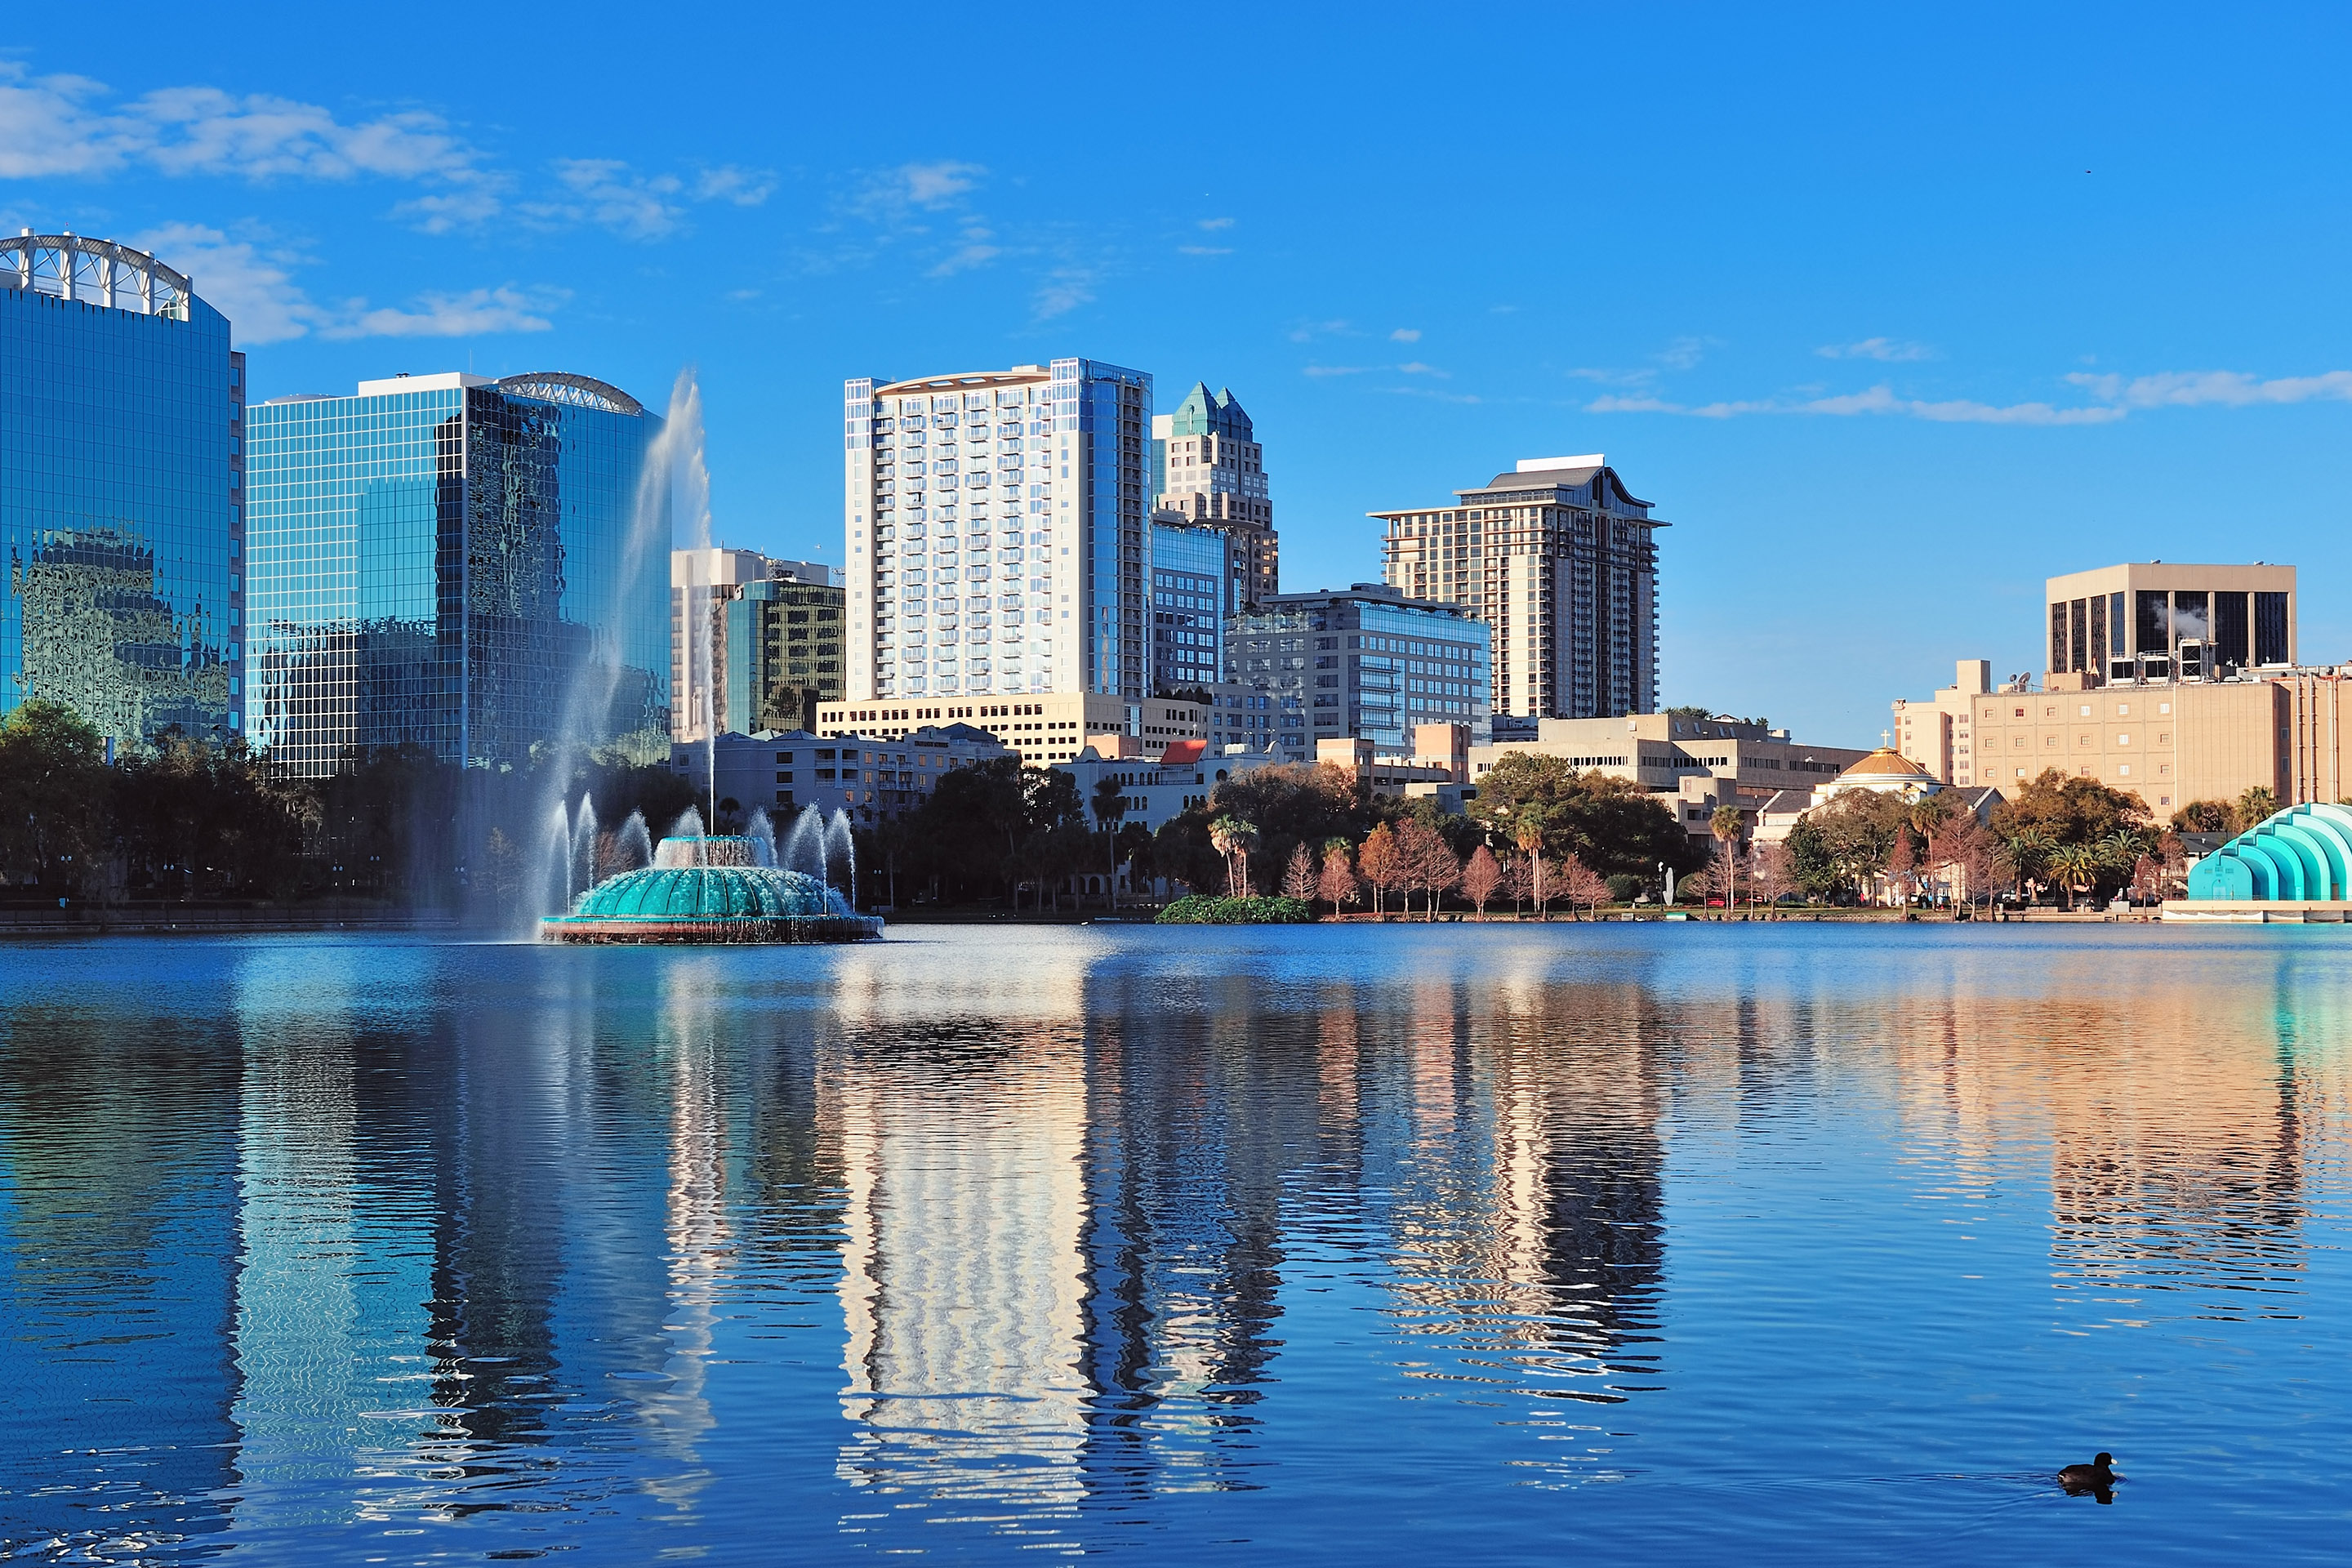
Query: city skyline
{"points": [[1964, 318]]}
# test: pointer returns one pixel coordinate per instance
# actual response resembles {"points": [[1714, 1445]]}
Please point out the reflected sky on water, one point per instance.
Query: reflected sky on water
{"points": [[1789, 1243]]}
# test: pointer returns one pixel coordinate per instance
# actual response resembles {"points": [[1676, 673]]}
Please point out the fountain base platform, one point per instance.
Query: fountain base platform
{"points": [[724, 929]]}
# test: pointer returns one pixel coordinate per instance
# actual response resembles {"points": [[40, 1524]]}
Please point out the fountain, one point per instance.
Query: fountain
{"points": [[709, 888], [633, 849]]}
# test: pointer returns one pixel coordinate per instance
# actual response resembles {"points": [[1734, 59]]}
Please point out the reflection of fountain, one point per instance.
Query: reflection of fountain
{"points": [[702, 888]]}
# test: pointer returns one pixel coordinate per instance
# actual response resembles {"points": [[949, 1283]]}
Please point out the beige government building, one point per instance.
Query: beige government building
{"points": [[2176, 682]]}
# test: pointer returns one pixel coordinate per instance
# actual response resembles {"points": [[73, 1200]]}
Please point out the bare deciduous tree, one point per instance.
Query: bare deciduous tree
{"points": [[1480, 878]]}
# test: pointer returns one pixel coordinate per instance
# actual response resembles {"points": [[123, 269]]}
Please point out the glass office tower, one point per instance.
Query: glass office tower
{"points": [[121, 410], [466, 565]]}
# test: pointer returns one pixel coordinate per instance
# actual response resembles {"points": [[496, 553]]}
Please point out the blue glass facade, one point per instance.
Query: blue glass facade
{"points": [[465, 565], [121, 403], [1368, 663], [1192, 595]]}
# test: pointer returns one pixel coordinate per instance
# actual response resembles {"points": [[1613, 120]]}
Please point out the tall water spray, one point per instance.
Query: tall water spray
{"points": [[633, 847], [689, 826], [803, 848], [691, 483], [762, 834], [583, 875], [673, 458], [551, 868], [840, 845]]}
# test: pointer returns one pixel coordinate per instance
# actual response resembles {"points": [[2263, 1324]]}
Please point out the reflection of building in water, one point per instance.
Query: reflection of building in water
{"points": [[117, 1247], [962, 1284], [1200, 1117], [122, 405], [436, 559], [1530, 1178], [2174, 1113]]}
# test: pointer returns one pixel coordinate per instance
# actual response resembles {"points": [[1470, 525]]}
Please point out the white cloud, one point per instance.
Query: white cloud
{"points": [[1405, 335], [932, 185], [1204, 250], [67, 126], [727, 182], [252, 283], [976, 251], [1415, 367], [253, 289], [1889, 349], [2235, 389], [1307, 331], [1341, 368], [1216, 223], [477, 313], [2114, 397], [1064, 290], [1682, 353], [54, 125]]}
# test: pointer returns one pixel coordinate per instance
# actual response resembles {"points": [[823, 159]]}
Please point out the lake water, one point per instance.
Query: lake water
{"points": [[1610, 1244]]}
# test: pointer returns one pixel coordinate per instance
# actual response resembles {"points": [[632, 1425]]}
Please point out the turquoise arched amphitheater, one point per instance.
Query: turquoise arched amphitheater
{"points": [[710, 889], [2298, 864]]}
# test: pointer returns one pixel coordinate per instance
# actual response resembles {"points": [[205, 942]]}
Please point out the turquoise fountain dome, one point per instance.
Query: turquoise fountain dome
{"points": [[710, 889]]}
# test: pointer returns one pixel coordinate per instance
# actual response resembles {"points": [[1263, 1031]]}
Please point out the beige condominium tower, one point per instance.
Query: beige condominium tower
{"points": [[1208, 468], [1561, 560], [996, 527]]}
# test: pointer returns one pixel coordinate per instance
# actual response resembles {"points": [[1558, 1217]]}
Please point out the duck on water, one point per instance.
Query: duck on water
{"points": [[2097, 1478]]}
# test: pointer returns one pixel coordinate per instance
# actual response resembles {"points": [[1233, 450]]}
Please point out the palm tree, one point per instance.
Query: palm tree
{"points": [[2255, 807], [2077, 866], [1528, 833], [1729, 823], [1110, 810], [1233, 839]]}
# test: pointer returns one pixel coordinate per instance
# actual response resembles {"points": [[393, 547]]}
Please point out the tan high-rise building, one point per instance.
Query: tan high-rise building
{"points": [[1937, 733], [1207, 467], [1562, 560], [2154, 619]]}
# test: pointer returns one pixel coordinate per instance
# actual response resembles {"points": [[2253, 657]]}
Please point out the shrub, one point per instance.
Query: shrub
{"points": [[1202, 910], [1625, 888]]}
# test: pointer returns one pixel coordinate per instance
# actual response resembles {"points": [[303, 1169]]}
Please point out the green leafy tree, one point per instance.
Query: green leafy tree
{"points": [[1110, 810], [1612, 825], [53, 798]]}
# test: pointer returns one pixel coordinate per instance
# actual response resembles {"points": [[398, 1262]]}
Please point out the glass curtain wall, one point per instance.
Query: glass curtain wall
{"points": [[458, 569], [118, 513]]}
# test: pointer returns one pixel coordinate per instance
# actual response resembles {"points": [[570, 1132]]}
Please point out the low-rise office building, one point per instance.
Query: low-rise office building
{"points": [[786, 771], [1366, 664], [1161, 786], [1044, 728], [1659, 751]]}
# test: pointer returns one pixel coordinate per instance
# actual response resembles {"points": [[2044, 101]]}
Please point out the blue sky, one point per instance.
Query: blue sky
{"points": [[1891, 314]]}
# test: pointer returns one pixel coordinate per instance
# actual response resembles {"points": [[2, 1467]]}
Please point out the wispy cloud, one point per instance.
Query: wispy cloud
{"points": [[1405, 335], [251, 281], [933, 186], [69, 126], [1414, 367], [1323, 370], [1064, 289], [2112, 398], [1307, 331], [1216, 223], [1893, 349], [2235, 389], [1204, 250], [978, 249], [478, 313], [1684, 353]]}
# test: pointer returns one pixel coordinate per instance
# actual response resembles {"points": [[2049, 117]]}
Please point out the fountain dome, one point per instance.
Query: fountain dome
{"points": [[712, 890]]}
